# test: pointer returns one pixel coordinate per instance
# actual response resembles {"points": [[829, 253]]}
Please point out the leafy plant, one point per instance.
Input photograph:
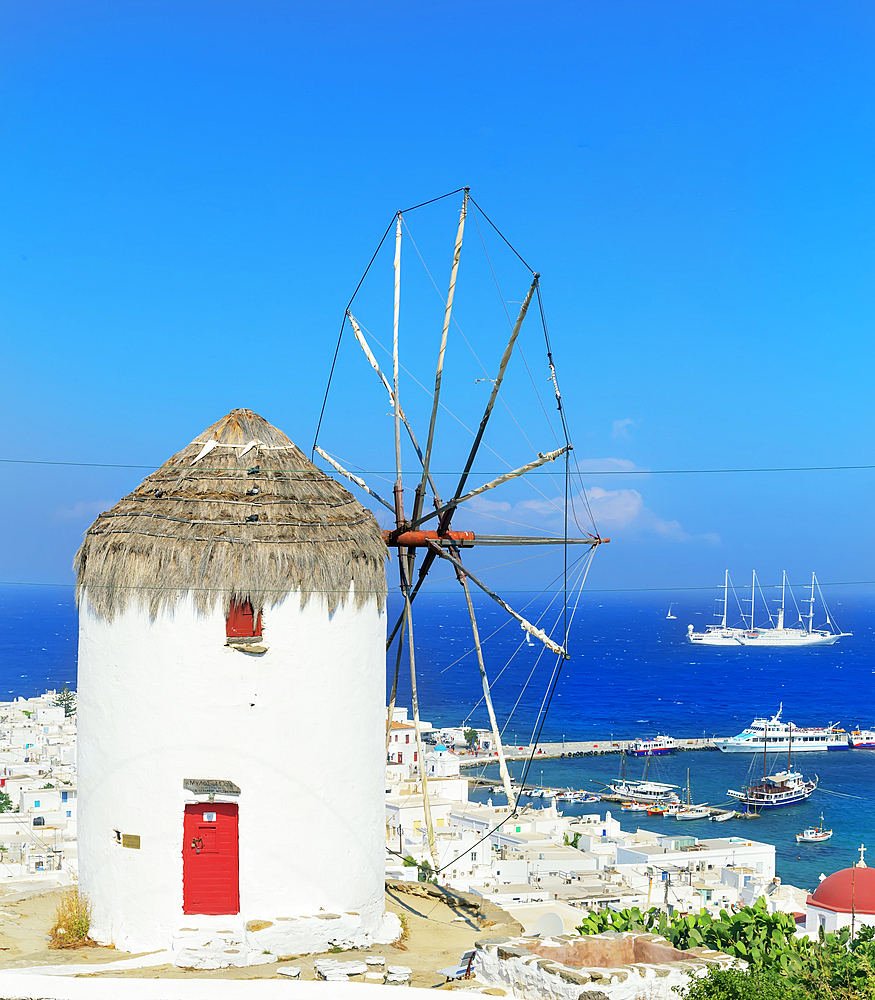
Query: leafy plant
{"points": [[733, 984], [72, 922], [780, 965], [470, 736], [5, 802]]}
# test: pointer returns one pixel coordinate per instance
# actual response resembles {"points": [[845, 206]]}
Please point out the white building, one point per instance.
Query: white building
{"points": [[228, 605]]}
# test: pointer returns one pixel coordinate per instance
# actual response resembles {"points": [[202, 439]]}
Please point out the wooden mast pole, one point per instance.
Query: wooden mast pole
{"points": [[402, 552], [487, 695], [448, 312]]}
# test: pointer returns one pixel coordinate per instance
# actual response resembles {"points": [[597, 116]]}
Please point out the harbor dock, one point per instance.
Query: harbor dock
{"points": [[574, 748]]}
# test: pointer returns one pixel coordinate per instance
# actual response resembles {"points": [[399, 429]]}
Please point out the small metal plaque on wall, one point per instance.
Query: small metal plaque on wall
{"points": [[131, 840], [210, 786]]}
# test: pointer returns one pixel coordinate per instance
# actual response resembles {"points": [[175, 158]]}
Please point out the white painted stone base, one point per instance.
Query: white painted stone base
{"points": [[309, 935], [230, 944], [523, 967]]}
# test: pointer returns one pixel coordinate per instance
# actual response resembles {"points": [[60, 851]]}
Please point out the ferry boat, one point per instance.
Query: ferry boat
{"points": [[774, 735], [654, 746], [862, 739], [776, 633], [784, 788]]}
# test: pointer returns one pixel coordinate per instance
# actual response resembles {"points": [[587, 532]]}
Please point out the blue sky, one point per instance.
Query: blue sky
{"points": [[192, 191]]}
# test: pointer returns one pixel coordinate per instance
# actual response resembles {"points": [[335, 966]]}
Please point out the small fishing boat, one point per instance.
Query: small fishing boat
{"points": [[634, 807], [691, 811], [722, 817], [863, 739], [656, 810], [670, 615], [814, 834]]}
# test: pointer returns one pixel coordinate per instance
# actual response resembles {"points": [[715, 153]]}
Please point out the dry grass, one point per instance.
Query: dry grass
{"points": [[186, 528], [72, 922]]}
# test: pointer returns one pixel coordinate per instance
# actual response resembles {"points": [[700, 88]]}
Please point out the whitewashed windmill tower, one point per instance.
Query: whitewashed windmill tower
{"points": [[231, 704]]}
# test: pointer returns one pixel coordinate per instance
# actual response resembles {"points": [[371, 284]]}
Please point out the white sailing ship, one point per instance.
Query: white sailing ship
{"points": [[776, 633], [773, 735]]}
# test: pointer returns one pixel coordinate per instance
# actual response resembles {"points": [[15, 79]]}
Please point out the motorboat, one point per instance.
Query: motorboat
{"points": [[654, 746], [814, 834], [722, 817]]}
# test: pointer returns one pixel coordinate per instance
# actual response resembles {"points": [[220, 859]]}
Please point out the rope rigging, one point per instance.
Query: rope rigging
{"points": [[443, 543]]}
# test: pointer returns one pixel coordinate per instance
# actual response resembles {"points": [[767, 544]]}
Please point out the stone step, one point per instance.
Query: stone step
{"points": [[203, 948]]}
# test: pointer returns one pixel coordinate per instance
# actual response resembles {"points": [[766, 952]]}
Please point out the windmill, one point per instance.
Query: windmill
{"points": [[431, 533]]}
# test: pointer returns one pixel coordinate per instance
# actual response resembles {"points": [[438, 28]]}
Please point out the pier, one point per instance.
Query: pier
{"points": [[574, 748]]}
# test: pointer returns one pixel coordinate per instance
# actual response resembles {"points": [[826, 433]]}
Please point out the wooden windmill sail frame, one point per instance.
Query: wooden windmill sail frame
{"points": [[443, 542]]}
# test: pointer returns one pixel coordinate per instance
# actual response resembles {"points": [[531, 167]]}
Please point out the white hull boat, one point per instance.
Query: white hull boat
{"points": [[773, 634], [773, 735], [693, 812], [814, 834], [785, 788], [722, 817]]}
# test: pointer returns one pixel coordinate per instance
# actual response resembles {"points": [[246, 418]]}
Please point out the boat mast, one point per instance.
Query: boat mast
{"points": [[765, 746], [753, 587], [725, 597], [783, 589], [811, 606], [789, 746]]}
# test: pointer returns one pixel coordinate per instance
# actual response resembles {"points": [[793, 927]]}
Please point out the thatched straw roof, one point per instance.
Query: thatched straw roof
{"points": [[246, 518]]}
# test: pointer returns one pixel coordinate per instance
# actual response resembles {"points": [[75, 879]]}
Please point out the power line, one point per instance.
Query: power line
{"points": [[583, 473], [392, 591]]}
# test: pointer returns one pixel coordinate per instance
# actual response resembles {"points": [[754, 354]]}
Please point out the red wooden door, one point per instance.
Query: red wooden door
{"points": [[210, 869]]}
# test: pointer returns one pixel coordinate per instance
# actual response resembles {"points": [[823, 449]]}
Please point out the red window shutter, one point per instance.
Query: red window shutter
{"points": [[242, 622]]}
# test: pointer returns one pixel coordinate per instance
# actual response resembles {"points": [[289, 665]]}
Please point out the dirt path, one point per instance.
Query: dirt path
{"points": [[436, 936]]}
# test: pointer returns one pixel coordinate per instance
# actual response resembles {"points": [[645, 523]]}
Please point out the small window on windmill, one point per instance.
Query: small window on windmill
{"points": [[242, 622]]}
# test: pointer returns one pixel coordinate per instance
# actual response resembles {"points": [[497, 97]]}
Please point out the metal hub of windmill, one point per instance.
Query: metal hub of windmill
{"points": [[430, 533]]}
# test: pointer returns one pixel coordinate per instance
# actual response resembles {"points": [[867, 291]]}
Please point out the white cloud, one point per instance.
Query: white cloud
{"points": [[620, 432], [84, 510], [486, 506], [616, 512], [608, 465]]}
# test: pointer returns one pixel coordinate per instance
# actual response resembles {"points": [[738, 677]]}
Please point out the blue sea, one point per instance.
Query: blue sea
{"points": [[632, 673]]}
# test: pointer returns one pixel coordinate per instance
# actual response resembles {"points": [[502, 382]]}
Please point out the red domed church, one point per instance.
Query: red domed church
{"points": [[844, 898]]}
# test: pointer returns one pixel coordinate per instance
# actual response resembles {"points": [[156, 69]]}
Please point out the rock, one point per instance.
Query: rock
{"points": [[258, 925]]}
